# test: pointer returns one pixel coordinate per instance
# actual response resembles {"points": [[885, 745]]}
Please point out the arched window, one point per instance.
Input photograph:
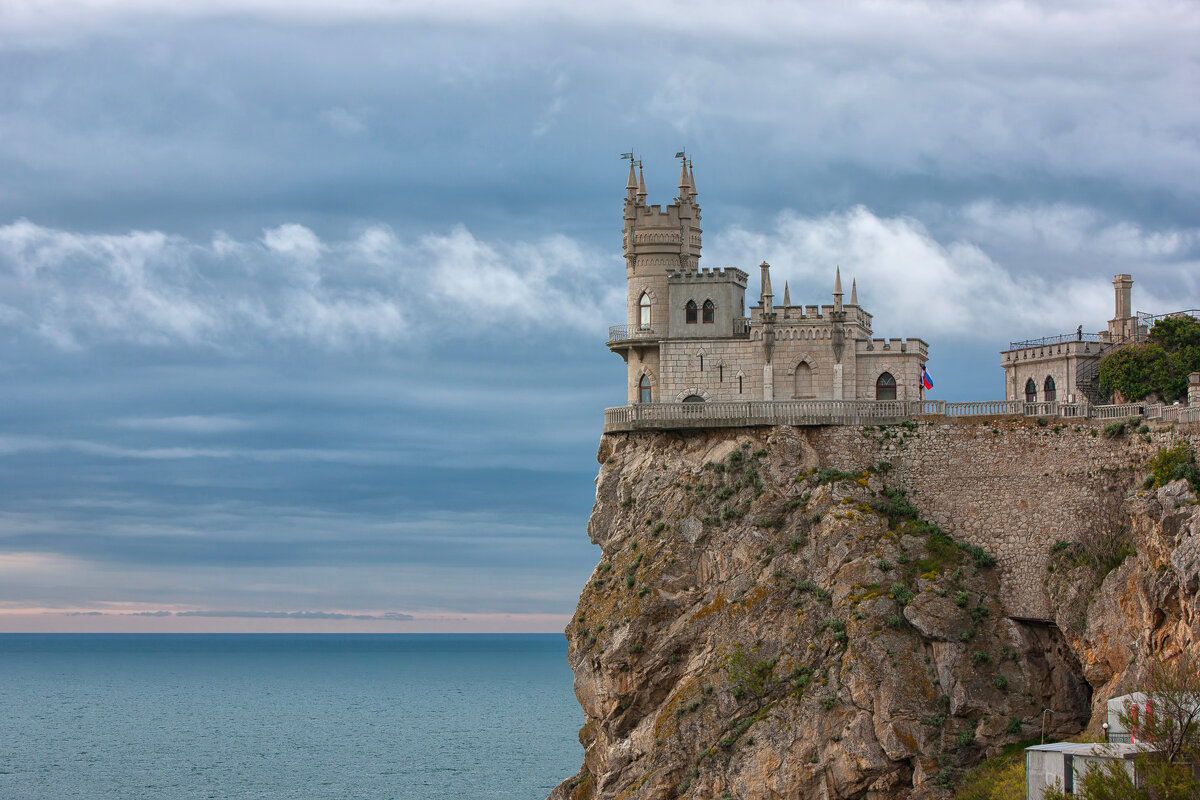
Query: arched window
{"points": [[1049, 392], [644, 312], [710, 311], [644, 389], [739, 384], [690, 312], [693, 398], [1030, 391], [803, 384], [885, 387]]}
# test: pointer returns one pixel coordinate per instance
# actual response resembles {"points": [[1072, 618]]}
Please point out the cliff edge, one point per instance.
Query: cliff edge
{"points": [[764, 626]]}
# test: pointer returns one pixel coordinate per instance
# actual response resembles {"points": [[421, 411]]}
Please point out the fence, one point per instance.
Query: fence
{"points": [[671, 416]]}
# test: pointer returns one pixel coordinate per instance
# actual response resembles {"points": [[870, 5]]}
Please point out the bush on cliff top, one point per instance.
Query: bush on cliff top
{"points": [[1158, 367], [1171, 464]]}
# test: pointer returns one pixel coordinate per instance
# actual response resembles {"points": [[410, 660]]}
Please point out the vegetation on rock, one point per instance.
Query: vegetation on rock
{"points": [[1159, 366]]}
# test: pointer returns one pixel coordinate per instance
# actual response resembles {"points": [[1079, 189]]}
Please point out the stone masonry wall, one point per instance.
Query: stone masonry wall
{"points": [[1007, 484]]}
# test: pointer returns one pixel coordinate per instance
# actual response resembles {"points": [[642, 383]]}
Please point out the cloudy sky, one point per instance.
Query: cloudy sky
{"points": [[302, 304]]}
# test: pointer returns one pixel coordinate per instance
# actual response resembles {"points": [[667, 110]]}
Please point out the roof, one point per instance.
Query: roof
{"points": [[1090, 749]]}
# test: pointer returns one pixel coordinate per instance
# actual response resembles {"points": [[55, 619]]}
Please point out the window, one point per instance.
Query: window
{"points": [[1030, 391], [644, 389], [690, 312], [739, 384], [693, 398], [803, 384], [720, 373], [710, 312], [1049, 393], [702, 362], [885, 387], [644, 312]]}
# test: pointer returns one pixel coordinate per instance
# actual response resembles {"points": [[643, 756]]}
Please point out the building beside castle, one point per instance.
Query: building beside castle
{"points": [[1066, 368], [688, 338]]}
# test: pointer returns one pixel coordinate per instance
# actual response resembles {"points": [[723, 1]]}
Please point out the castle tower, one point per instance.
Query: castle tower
{"points": [[657, 241]]}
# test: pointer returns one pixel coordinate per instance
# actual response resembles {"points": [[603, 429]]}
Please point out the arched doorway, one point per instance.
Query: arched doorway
{"points": [[803, 383]]}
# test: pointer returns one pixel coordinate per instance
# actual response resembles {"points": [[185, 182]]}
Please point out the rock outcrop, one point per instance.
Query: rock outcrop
{"points": [[761, 626], [1134, 595]]}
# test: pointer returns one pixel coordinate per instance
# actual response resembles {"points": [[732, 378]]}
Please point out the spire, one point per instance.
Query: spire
{"points": [[684, 181], [641, 186], [691, 178], [837, 290], [853, 292], [631, 185], [787, 297], [767, 298]]}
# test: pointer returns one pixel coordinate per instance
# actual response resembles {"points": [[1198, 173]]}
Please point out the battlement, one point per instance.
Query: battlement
{"points": [[708, 274], [918, 346]]}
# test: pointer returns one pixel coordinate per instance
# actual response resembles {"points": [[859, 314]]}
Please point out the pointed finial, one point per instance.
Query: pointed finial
{"points": [[691, 178], [684, 183], [631, 186], [787, 296], [767, 298], [853, 292], [641, 192], [837, 282]]}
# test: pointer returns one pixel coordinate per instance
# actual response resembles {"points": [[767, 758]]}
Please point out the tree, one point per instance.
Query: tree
{"points": [[1159, 366], [1168, 768]]}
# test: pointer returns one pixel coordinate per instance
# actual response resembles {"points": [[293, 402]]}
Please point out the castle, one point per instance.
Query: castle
{"points": [[688, 339]]}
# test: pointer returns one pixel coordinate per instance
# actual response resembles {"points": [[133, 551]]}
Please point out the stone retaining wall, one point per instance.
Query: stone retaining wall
{"points": [[1008, 484]]}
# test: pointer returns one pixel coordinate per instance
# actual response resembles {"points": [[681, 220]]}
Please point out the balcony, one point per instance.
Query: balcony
{"points": [[622, 334]]}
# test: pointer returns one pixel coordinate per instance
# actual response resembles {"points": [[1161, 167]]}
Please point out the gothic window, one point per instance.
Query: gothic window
{"points": [[702, 362], [803, 384], [739, 384], [644, 312], [885, 387], [720, 373], [644, 389], [710, 311], [691, 312], [1049, 393], [1030, 391]]}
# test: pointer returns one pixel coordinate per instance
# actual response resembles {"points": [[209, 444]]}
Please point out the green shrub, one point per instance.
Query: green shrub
{"points": [[1014, 725], [980, 657], [894, 622], [1172, 464], [1114, 429], [828, 702], [963, 739], [1000, 682], [1159, 366], [885, 565], [961, 599], [901, 594]]}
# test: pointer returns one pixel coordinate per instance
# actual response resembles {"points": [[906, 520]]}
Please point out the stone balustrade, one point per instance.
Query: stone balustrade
{"points": [[674, 416]]}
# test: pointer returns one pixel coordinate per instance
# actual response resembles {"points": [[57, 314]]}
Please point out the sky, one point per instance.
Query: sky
{"points": [[303, 304]]}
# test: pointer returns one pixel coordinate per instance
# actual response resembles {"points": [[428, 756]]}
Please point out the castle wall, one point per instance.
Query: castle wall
{"points": [[1013, 489], [1060, 361], [681, 365]]}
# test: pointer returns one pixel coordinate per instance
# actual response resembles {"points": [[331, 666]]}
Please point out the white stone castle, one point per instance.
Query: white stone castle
{"points": [[688, 338]]}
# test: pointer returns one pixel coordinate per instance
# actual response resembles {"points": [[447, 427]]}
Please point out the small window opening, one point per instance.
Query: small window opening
{"points": [[885, 387], [644, 389], [710, 312], [739, 384], [690, 312], [644, 312], [720, 373], [702, 362]]}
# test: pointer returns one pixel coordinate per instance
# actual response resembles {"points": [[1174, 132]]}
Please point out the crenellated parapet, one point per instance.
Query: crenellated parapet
{"points": [[708, 275], [917, 346]]}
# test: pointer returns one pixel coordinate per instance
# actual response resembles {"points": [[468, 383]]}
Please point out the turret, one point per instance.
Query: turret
{"points": [[853, 292]]}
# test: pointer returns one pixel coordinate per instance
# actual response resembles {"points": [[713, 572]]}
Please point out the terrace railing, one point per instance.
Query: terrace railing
{"points": [[674, 416]]}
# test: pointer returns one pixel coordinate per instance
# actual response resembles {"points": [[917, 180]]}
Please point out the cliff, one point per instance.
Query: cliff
{"points": [[760, 626]]}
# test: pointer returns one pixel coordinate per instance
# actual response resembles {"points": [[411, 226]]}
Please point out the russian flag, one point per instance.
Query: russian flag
{"points": [[926, 381]]}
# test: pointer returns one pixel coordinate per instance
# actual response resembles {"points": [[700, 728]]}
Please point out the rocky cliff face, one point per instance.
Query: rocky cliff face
{"points": [[1116, 611], [761, 626]]}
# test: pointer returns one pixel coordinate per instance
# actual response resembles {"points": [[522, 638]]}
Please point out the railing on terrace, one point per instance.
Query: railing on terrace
{"points": [[1060, 339], [671, 416], [1147, 320], [621, 333]]}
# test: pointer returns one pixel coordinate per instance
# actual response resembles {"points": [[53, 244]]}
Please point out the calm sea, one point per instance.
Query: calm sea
{"points": [[248, 716]]}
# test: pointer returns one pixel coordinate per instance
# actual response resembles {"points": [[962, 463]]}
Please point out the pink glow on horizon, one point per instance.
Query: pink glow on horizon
{"points": [[28, 620]]}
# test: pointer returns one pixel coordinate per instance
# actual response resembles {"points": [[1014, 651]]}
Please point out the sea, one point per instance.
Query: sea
{"points": [[411, 717]]}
